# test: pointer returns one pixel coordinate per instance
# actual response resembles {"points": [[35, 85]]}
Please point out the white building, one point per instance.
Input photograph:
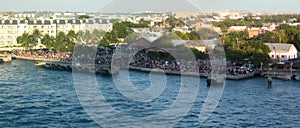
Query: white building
{"points": [[183, 29], [237, 28], [11, 29], [282, 52]]}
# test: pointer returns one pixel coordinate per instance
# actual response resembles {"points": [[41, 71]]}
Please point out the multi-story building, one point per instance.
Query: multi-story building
{"points": [[11, 29], [8, 33]]}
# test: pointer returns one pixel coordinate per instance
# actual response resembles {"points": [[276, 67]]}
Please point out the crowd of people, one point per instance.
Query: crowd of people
{"points": [[244, 69], [40, 54], [59, 56], [142, 60], [121, 56]]}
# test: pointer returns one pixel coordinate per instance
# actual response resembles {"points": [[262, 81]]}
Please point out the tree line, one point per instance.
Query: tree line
{"points": [[62, 41]]}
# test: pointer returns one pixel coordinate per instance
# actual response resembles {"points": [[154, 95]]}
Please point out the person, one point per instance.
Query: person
{"points": [[269, 80]]}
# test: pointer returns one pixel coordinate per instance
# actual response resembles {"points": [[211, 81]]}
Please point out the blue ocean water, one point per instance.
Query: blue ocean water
{"points": [[38, 97]]}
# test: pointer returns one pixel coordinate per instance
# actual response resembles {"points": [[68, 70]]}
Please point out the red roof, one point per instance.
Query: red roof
{"points": [[199, 20]]}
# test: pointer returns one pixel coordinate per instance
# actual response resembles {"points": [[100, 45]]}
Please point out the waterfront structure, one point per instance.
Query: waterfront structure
{"points": [[11, 29], [282, 52]]}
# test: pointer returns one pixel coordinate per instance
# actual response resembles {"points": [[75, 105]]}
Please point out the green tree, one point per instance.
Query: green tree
{"points": [[36, 34], [122, 30], [24, 40], [83, 17], [61, 41], [269, 37], [48, 41], [109, 38], [282, 38], [181, 35]]}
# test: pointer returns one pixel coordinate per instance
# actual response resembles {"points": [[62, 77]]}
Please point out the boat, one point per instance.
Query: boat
{"points": [[5, 58], [40, 64], [283, 77]]}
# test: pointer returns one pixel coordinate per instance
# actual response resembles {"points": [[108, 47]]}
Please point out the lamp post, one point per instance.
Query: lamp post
{"points": [[291, 69]]}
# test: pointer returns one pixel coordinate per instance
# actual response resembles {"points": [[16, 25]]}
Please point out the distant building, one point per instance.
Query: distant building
{"points": [[11, 29], [183, 29], [251, 31], [282, 52], [269, 27], [236, 28], [199, 23], [254, 32]]}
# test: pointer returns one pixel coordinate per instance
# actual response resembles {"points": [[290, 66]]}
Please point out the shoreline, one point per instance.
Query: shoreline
{"points": [[32, 59], [141, 69], [193, 74]]}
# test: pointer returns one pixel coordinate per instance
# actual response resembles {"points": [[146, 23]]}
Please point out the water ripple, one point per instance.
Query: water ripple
{"points": [[36, 97]]}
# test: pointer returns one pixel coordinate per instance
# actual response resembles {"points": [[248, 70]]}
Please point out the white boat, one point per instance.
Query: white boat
{"points": [[5, 59], [283, 77], [40, 64]]}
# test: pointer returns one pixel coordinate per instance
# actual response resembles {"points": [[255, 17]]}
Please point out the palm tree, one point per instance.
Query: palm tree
{"points": [[61, 41], [47, 40], [24, 40], [36, 34], [281, 35], [72, 40], [71, 36]]}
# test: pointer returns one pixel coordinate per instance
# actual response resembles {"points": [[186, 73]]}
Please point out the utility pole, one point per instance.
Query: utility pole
{"points": [[291, 69]]}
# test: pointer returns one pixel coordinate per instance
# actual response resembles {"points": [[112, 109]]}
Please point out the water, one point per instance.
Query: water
{"points": [[37, 97]]}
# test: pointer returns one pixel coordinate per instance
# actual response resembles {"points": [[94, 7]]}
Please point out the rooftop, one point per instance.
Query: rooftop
{"points": [[279, 47]]}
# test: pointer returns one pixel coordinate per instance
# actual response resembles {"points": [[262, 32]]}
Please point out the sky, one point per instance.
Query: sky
{"points": [[150, 5]]}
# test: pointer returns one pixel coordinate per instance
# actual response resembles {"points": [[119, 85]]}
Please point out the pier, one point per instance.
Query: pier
{"points": [[77, 67], [283, 75], [31, 58], [195, 74]]}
